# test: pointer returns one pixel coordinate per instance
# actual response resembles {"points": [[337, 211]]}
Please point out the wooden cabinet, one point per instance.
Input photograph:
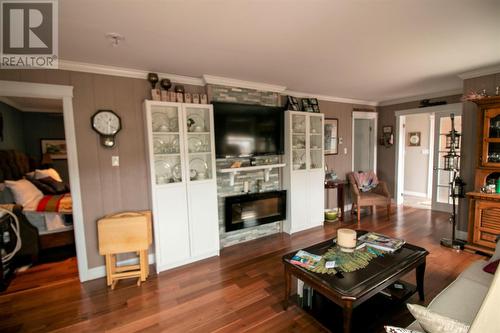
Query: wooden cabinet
{"points": [[181, 155], [491, 137], [304, 174], [484, 209]]}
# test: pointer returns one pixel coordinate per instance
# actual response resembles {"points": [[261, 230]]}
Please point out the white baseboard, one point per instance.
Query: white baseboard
{"points": [[415, 194], [100, 271], [206, 255]]}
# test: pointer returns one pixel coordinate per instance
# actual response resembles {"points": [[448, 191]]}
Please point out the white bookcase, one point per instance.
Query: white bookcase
{"points": [[304, 174], [181, 155]]}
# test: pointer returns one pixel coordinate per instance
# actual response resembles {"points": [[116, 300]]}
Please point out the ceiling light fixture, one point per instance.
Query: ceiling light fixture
{"points": [[114, 38]]}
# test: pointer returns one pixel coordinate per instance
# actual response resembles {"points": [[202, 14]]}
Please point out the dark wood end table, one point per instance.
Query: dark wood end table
{"points": [[352, 289], [339, 185]]}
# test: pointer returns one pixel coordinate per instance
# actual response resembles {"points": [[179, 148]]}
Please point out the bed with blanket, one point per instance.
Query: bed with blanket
{"points": [[44, 197]]}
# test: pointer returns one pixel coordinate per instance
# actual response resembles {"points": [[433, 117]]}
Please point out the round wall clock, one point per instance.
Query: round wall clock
{"points": [[107, 124], [414, 139]]}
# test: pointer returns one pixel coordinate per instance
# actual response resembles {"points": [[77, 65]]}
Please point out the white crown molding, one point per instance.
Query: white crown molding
{"points": [[22, 108], [124, 72], [480, 72], [206, 79], [330, 98], [420, 97], [224, 81]]}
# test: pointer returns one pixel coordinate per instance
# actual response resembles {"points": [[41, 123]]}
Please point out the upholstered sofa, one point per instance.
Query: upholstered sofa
{"points": [[473, 298]]}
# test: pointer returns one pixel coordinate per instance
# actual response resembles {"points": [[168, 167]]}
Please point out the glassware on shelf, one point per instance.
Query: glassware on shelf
{"points": [[165, 145], [195, 144], [299, 162], [298, 142], [298, 124], [195, 122], [160, 122], [163, 172], [198, 169], [177, 173], [173, 124]]}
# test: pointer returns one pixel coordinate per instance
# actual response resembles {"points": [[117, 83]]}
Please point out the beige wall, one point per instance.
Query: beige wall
{"points": [[105, 189], [417, 157], [386, 157], [470, 139], [341, 163]]}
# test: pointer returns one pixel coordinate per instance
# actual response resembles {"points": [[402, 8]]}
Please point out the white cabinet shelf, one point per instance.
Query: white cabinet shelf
{"points": [[267, 170], [253, 168], [183, 184], [304, 174]]}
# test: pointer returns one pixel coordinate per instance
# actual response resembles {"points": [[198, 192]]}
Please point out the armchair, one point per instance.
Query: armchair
{"points": [[379, 196]]}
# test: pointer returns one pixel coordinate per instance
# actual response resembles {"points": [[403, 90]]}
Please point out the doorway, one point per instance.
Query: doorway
{"points": [[364, 147], [420, 179], [441, 200], [62, 96]]}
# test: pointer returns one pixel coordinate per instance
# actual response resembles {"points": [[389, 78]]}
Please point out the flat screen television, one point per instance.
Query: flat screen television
{"points": [[243, 130]]}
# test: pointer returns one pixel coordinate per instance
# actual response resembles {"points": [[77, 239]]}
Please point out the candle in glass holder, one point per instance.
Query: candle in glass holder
{"points": [[346, 239]]}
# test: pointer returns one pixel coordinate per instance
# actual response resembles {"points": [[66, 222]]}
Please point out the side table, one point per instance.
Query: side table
{"points": [[339, 185]]}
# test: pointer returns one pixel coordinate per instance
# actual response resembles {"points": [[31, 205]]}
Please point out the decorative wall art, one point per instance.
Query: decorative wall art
{"points": [[414, 139], [293, 103], [331, 136], [55, 147], [387, 138]]}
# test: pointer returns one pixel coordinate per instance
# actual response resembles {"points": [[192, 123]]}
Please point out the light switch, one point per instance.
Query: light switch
{"points": [[341, 140], [115, 161], [345, 151]]}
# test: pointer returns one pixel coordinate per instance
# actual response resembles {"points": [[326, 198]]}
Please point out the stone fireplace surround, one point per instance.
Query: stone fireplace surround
{"points": [[217, 93]]}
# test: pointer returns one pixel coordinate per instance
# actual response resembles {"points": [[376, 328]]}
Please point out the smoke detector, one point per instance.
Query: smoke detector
{"points": [[114, 38]]}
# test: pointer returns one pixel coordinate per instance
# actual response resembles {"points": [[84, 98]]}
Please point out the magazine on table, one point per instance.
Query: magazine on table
{"points": [[382, 242], [305, 259]]}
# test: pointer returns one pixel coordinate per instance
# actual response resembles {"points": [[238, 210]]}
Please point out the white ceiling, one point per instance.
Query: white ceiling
{"points": [[373, 50], [30, 104]]}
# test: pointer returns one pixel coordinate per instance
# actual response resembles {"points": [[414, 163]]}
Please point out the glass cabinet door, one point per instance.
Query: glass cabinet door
{"points": [[166, 144], [298, 133], [316, 142], [198, 128], [491, 145]]}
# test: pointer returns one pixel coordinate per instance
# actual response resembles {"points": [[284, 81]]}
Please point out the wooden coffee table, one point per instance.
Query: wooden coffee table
{"points": [[349, 290]]}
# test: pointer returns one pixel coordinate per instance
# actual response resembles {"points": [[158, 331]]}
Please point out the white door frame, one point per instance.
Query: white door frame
{"points": [[366, 115], [400, 141], [64, 93]]}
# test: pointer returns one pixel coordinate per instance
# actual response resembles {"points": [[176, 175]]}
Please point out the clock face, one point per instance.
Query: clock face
{"points": [[106, 122]]}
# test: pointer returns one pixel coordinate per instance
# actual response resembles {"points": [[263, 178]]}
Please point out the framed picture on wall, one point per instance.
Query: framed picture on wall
{"points": [[414, 139], [331, 136], [55, 147]]}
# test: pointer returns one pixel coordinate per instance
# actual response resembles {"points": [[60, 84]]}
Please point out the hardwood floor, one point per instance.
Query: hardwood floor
{"points": [[44, 275], [242, 290]]}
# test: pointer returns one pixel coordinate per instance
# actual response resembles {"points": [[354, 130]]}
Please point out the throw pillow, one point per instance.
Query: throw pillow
{"points": [[50, 172], [496, 255], [393, 329], [432, 322], [491, 267], [56, 186], [46, 189], [25, 193]]}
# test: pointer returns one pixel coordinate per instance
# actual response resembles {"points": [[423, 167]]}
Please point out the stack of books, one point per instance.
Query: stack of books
{"points": [[305, 259], [381, 242]]}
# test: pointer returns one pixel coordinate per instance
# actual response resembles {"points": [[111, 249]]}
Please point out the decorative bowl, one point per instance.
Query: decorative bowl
{"points": [[331, 214]]}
